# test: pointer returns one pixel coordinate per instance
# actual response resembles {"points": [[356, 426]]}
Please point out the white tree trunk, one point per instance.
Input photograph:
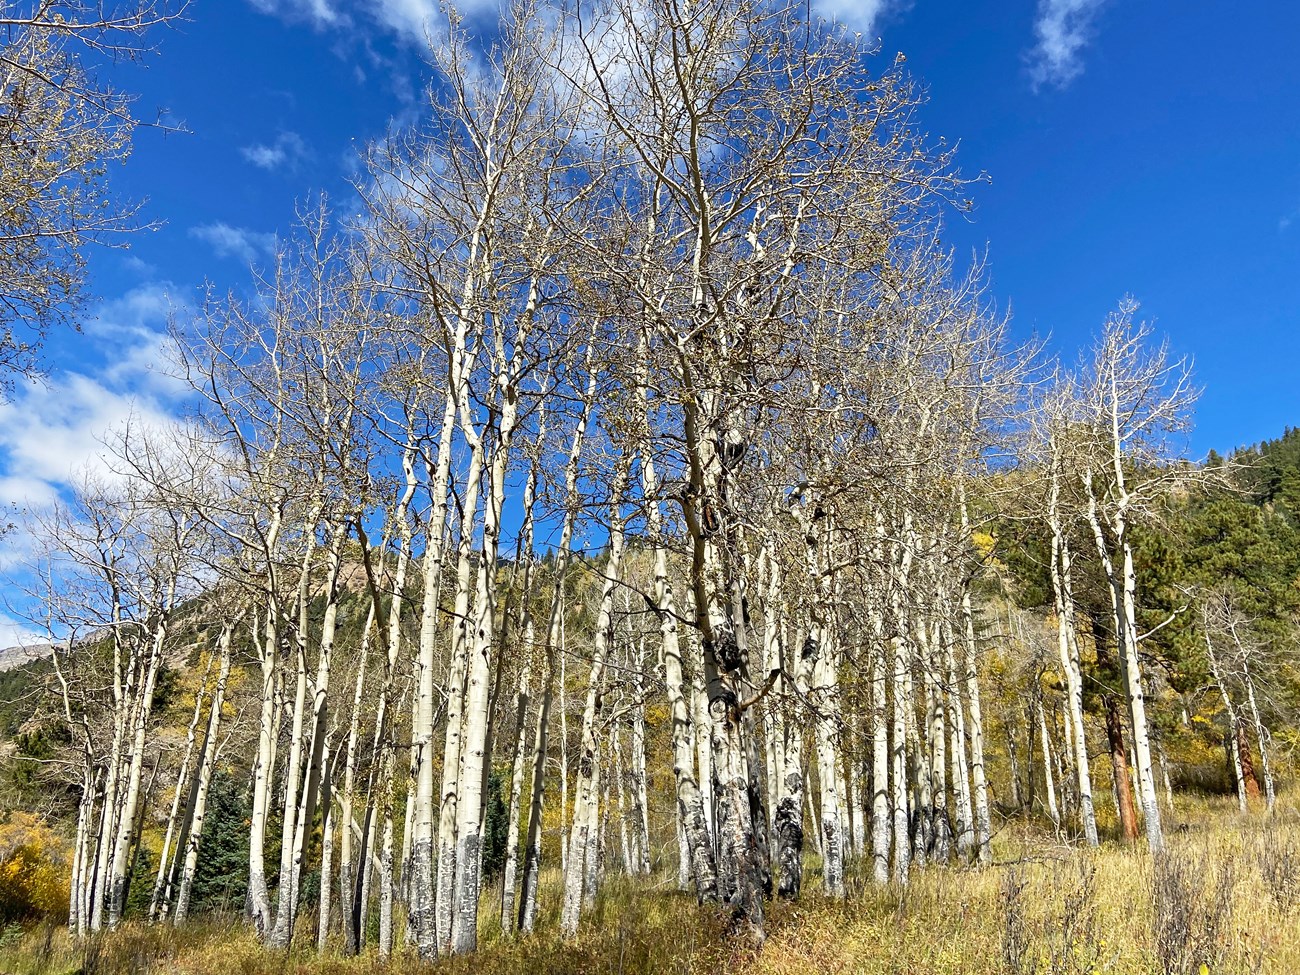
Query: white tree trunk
{"points": [[1050, 783], [582, 836], [1122, 581], [639, 789], [554, 638], [827, 726], [693, 794], [902, 705], [789, 810], [938, 740], [326, 859], [280, 932], [518, 769], [1239, 778], [1262, 736], [307, 798], [346, 880], [157, 901], [1068, 649], [965, 826], [979, 780], [143, 709], [445, 903], [207, 764], [880, 756], [477, 717], [259, 902], [519, 760]]}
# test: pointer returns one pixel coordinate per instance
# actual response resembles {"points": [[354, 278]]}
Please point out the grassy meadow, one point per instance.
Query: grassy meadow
{"points": [[1225, 898]]}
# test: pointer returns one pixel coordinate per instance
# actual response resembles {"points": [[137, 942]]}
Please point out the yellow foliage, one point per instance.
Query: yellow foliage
{"points": [[33, 871]]}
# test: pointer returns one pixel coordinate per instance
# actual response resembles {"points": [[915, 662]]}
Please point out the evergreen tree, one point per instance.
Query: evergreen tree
{"points": [[221, 879], [494, 829]]}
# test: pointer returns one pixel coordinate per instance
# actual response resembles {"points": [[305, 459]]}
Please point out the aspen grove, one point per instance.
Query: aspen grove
{"points": [[616, 485]]}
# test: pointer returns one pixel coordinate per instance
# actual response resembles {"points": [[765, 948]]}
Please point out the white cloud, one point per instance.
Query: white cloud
{"points": [[25, 492], [860, 15], [318, 13], [55, 432], [14, 633], [413, 20], [287, 149], [143, 350], [51, 430], [238, 242], [137, 266], [1062, 30]]}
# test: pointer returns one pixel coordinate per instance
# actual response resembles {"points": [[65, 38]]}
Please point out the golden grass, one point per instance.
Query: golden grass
{"points": [[1043, 908]]}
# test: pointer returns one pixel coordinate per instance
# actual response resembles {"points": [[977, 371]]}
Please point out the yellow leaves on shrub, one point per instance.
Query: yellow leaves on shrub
{"points": [[33, 871], [983, 542]]}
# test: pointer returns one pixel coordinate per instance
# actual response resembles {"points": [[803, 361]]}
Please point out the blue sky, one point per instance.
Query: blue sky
{"points": [[1132, 147]]}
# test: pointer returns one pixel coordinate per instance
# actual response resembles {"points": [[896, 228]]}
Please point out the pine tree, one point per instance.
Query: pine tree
{"points": [[221, 879]]}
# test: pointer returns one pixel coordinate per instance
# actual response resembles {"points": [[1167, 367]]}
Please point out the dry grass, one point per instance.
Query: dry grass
{"points": [[1226, 897]]}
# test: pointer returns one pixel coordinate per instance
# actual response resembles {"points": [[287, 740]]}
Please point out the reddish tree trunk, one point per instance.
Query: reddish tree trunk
{"points": [[1247, 763], [1123, 782]]}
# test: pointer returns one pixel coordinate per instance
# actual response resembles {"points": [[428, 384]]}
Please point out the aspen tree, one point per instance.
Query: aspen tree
{"points": [[162, 879], [384, 744], [1060, 570], [728, 239], [519, 763], [583, 845], [197, 807], [346, 892], [1222, 621], [1134, 399], [64, 130], [252, 368]]}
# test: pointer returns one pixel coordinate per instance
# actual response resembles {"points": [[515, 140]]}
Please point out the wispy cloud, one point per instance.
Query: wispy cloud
{"points": [[318, 13], [51, 430], [54, 432], [135, 327], [237, 242], [137, 266], [860, 15], [287, 150], [1062, 29], [17, 634], [412, 20]]}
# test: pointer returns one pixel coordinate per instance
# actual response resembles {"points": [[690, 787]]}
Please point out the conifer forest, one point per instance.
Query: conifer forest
{"points": [[625, 534]]}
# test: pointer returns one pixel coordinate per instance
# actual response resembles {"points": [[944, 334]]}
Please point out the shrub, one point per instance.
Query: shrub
{"points": [[33, 871]]}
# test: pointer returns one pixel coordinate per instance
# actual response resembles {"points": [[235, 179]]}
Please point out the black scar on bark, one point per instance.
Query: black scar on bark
{"points": [[731, 451], [726, 651], [788, 825], [789, 835]]}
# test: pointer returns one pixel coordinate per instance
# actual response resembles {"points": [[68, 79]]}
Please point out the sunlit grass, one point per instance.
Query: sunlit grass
{"points": [[1042, 908]]}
